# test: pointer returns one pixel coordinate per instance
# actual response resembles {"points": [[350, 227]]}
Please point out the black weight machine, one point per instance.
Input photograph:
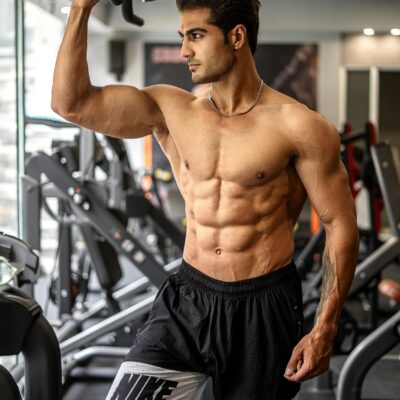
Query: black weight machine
{"points": [[66, 160], [91, 214], [89, 210], [24, 330], [134, 201]]}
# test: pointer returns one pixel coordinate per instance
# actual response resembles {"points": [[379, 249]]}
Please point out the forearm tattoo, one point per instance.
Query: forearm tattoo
{"points": [[328, 280]]}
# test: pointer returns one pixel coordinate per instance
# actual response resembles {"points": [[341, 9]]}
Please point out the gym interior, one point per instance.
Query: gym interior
{"points": [[92, 225]]}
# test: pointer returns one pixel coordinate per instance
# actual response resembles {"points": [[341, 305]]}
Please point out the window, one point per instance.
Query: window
{"points": [[8, 121], [8, 128], [43, 35]]}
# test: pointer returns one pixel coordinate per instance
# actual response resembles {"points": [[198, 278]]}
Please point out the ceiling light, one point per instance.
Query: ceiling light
{"points": [[65, 10], [369, 31], [395, 31]]}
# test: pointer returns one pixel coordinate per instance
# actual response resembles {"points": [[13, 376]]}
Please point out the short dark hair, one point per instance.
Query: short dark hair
{"points": [[226, 14]]}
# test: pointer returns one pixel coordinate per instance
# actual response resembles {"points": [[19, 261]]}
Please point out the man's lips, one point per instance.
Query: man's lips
{"points": [[193, 65]]}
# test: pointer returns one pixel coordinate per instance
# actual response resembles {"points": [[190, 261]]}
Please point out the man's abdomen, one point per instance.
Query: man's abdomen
{"points": [[235, 253]]}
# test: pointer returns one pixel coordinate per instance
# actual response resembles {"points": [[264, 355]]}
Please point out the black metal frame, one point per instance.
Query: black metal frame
{"points": [[368, 352], [35, 193], [24, 329], [86, 207], [156, 214]]}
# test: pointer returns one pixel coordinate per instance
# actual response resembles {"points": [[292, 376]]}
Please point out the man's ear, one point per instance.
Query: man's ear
{"points": [[238, 36]]}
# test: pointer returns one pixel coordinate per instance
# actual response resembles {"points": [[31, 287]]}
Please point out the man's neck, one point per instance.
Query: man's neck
{"points": [[237, 91]]}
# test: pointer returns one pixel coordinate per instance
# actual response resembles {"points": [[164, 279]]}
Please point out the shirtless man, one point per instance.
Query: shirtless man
{"points": [[244, 157]]}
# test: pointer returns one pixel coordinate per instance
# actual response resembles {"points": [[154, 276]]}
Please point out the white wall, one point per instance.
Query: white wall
{"points": [[381, 50]]}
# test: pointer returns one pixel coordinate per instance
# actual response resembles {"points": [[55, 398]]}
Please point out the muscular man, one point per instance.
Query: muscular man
{"points": [[244, 157]]}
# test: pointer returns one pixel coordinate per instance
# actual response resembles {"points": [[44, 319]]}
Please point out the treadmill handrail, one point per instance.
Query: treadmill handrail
{"points": [[370, 350]]}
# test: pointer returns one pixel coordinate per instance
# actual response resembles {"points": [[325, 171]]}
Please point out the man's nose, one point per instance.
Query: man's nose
{"points": [[186, 50]]}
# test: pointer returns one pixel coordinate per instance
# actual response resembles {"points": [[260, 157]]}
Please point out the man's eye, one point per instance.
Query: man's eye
{"points": [[196, 36]]}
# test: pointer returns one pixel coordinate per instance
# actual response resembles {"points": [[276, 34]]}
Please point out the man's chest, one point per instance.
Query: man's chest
{"points": [[247, 152]]}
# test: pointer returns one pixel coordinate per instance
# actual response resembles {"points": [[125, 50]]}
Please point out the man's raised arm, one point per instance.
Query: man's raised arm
{"points": [[117, 110]]}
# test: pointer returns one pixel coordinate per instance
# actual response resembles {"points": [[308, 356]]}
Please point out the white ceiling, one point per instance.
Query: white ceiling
{"points": [[283, 15], [324, 16]]}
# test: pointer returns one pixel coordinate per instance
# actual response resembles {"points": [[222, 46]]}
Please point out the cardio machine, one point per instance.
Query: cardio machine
{"points": [[24, 329]]}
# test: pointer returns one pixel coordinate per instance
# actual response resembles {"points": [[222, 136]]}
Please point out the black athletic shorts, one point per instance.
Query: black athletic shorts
{"points": [[240, 334]]}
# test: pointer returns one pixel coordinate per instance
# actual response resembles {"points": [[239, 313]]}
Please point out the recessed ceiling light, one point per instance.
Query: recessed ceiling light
{"points": [[369, 31], [395, 31], [65, 10]]}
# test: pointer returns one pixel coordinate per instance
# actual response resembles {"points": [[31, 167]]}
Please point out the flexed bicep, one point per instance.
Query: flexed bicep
{"points": [[118, 110]]}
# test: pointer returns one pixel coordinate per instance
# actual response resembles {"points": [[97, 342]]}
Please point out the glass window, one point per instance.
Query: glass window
{"points": [[8, 121], [43, 35], [8, 128], [358, 98]]}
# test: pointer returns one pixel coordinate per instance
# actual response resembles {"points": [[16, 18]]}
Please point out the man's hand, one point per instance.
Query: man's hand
{"points": [[310, 358]]}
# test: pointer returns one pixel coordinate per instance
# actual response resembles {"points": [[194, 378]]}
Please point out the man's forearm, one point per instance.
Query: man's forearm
{"points": [[339, 263], [71, 81]]}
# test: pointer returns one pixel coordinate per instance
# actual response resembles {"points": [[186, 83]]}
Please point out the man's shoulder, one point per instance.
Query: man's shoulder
{"points": [[162, 92], [171, 100], [310, 132], [294, 116], [307, 124]]}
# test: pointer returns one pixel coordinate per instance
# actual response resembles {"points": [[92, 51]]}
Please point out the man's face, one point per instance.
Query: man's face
{"points": [[204, 47]]}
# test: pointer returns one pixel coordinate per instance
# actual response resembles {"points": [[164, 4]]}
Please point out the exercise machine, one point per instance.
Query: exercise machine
{"points": [[111, 202], [24, 330]]}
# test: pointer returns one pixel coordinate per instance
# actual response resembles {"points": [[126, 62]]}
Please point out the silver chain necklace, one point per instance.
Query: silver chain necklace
{"points": [[242, 113]]}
